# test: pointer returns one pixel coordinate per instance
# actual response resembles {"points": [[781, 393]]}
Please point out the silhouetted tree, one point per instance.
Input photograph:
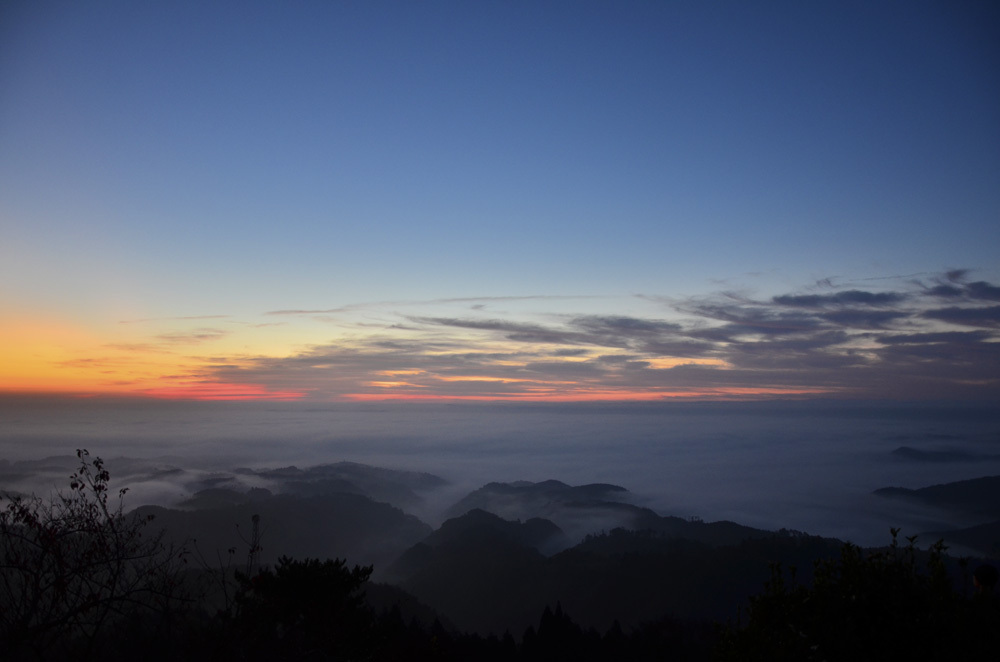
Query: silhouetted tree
{"points": [[74, 565], [310, 606], [865, 605]]}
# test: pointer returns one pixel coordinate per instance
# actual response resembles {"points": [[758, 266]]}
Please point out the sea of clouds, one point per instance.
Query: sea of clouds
{"points": [[808, 466]]}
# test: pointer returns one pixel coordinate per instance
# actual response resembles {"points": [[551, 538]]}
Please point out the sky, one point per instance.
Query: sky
{"points": [[528, 201]]}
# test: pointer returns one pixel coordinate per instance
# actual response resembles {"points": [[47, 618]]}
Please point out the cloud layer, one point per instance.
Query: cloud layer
{"points": [[930, 338]]}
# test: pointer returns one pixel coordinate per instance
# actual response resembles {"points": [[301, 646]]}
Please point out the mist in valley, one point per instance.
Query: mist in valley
{"points": [[809, 467], [480, 518]]}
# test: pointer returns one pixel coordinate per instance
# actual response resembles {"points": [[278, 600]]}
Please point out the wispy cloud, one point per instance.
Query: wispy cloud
{"points": [[909, 338], [192, 337], [847, 297], [967, 316], [169, 319], [474, 303]]}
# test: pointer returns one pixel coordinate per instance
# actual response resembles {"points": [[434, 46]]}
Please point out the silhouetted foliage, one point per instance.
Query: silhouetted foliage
{"points": [[300, 606], [75, 566], [875, 604], [559, 637]]}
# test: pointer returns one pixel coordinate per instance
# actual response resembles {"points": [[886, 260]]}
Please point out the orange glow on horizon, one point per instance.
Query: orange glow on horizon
{"points": [[395, 385], [664, 363], [501, 380], [53, 356], [254, 392], [220, 391], [40, 355], [727, 393]]}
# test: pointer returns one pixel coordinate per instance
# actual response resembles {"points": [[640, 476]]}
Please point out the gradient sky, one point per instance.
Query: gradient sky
{"points": [[514, 200]]}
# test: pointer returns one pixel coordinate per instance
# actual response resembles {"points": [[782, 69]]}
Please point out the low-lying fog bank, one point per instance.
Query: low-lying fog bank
{"points": [[805, 466]]}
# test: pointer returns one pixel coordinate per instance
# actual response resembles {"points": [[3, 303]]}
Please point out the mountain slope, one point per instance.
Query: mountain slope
{"points": [[347, 526], [483, 573], [978, 496]]}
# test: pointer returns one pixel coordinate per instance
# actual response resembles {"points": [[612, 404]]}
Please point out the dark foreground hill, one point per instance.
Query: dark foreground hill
{"points": [[488, 575], [333, 525]]}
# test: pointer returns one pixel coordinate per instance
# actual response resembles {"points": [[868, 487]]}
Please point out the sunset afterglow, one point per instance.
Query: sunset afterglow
{"points": [[500, 202]]}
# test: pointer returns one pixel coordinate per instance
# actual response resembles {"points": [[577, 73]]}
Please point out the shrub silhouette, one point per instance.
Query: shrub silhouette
{"points": [[75, 565], [877, 604], [299, 607]]}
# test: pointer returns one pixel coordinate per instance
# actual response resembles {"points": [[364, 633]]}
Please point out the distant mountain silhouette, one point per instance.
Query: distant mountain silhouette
{"points": [[585, 509], [535, 533], [978, 496], [400, 488], [475, 569], [340, 525], [486, 574], [526, 498], [223, 497], [982, 538], [910, 453]]}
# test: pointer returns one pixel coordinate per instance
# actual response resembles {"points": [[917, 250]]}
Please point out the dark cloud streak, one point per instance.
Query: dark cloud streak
{"points": [[848, 297], [858, 343]]}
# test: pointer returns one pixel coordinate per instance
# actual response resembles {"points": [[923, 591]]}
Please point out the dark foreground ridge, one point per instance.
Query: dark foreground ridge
{"points": [[258, 574]]}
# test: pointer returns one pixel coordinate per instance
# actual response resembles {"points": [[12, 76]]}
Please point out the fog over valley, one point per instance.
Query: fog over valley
{"points": [[805, 466]]}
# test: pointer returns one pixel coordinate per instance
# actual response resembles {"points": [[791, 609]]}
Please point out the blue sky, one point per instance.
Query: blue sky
{"points": [[171, 174]]}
